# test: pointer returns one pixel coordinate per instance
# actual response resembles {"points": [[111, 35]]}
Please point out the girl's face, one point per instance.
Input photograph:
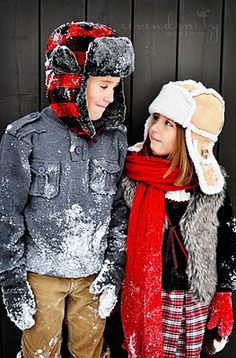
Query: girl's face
{"points": [[162, 135]]}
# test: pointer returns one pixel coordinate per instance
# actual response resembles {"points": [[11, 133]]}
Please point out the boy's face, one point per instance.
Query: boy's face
{"points": [[100, 93]]}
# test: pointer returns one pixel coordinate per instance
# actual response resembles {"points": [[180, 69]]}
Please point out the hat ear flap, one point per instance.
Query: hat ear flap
{"points": [[63, 60]]}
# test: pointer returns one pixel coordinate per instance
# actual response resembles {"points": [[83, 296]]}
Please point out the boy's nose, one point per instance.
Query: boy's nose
{"points": [[109, 97]]}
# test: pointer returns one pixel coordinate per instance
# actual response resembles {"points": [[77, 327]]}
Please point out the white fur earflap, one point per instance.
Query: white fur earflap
{"points": [[202, 167], [174, 102], [147, 126]]}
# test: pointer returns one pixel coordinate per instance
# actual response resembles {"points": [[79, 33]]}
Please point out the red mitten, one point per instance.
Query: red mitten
{"points": [[221, 313]]}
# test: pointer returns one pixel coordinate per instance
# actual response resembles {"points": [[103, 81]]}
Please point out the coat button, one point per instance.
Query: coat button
{"points": [[78, 149], [41, 169], [109, 167]]}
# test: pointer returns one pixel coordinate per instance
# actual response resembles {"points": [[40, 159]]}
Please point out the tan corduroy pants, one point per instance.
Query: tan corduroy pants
{"points": [[56, 299]]}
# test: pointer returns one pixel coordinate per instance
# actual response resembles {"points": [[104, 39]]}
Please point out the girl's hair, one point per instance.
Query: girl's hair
{"points": [[179, 158]]}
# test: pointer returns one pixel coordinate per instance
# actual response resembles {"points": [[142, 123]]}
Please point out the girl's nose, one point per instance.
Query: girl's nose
{"points": [[157, 126]]}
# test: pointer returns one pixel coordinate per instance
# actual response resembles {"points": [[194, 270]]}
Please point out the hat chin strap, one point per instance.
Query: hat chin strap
{"points": [[203, 133], [208, 159]]}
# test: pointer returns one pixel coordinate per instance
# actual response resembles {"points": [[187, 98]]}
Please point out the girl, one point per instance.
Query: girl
{"points": [[181, 248]]}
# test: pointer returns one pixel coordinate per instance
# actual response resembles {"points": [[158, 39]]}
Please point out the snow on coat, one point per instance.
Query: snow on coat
{"points": [[57, 198]]}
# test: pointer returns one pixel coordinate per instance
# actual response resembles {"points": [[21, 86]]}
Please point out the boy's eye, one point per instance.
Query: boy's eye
{"points": [[103, 87], [156, 117]]}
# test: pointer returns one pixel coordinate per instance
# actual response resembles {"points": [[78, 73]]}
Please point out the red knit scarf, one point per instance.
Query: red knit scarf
{"points": [[141, 294]]}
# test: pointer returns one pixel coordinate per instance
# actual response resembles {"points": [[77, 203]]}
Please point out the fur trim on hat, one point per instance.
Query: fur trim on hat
{"points": [[175, 103], [110, 56], [202, 164]]}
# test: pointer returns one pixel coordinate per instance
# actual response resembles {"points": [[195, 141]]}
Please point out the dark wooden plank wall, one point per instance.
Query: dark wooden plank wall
{"points": [[19, 87], [173, 39]]}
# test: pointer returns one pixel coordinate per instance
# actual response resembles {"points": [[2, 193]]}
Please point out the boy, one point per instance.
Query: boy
{"points": [[62, 218]]}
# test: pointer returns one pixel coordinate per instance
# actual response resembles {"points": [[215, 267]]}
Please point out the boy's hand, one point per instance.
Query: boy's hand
{"points": [[105, 284], [110, 275], [20, 304], [107, 301], [221, 314]]}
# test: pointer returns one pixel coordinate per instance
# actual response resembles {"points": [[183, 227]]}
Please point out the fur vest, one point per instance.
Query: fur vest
{"points": [[198, 227]]}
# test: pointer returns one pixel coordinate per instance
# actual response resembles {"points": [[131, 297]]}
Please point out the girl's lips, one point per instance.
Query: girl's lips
{"points": [[156, 140]]}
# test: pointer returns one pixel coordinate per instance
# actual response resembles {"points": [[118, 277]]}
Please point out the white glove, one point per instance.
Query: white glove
{"points": [[107, 301], [108, 298], [20, 304]]}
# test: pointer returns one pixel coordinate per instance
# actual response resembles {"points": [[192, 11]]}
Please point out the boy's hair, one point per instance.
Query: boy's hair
{"points": [[179, 158]]}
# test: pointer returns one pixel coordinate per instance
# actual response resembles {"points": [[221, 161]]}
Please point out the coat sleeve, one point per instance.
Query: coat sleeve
{"points": [[15, 181], [116, 239], [226, 249]]}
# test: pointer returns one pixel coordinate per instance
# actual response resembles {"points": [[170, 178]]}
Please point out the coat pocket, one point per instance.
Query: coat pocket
{"points": [[45, 178], [103, 176]]}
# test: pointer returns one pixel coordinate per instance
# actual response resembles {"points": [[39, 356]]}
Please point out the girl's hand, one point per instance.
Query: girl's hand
{"points": [[221, 313]]}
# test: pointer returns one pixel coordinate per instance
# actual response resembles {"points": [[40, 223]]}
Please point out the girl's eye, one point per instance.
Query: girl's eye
{"points": [[168, 123], [103, 87], [156, 117]]}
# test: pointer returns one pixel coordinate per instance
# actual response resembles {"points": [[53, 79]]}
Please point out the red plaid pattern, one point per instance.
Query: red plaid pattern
{"points": [[63, 88], [61, 35], [96, 30], [66, 81], [65, 109], [184, 323]]}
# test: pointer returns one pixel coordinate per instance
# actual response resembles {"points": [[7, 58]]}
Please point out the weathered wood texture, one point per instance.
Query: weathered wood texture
{"points": [[173, 39]]}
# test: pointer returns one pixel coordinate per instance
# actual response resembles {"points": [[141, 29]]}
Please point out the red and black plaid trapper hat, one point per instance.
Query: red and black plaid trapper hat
{"points": [[75, 51]]}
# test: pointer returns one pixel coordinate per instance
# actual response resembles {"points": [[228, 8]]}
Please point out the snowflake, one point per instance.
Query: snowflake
{"points": [[232, 224]]}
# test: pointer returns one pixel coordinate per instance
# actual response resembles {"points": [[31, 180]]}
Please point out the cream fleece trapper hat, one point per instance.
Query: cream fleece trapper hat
{"points": [[200, 111]]}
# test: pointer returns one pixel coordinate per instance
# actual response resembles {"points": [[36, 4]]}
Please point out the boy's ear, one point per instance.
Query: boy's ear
{"points": [[62, 60]]}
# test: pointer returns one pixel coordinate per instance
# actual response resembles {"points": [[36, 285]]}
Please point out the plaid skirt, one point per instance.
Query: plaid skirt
{"points": [[184, 323]]}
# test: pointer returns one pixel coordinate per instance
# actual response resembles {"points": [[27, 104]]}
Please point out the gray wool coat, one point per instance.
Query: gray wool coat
{"points": [[61, 209]]}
